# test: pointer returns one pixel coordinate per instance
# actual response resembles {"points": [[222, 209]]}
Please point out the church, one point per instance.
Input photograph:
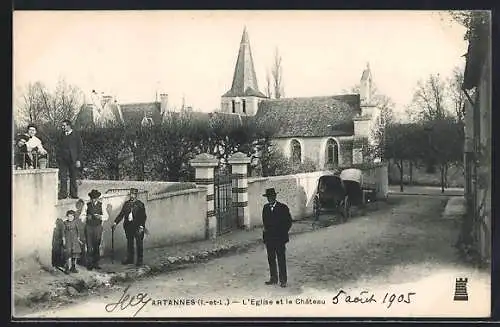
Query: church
{"points": [[329, 131]]}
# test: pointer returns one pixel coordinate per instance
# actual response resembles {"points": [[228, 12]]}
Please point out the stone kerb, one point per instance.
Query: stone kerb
{"points": [[204, 165], [239, 166]]}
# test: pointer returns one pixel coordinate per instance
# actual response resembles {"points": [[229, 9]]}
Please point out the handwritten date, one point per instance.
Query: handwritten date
{"points": [[365, 297]]}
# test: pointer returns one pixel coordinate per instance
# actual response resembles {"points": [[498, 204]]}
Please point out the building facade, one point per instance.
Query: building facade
{"points": [[477, 151], [329, 131]]}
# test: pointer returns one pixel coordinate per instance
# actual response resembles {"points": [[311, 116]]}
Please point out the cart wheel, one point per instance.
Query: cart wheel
{"points": [[347, 209]]}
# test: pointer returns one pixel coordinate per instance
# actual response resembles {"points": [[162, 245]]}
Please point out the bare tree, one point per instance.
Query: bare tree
{"points": [[456, 94], [30, 107], [39, 105], [269, 91], [429, 98], [277, 74]]}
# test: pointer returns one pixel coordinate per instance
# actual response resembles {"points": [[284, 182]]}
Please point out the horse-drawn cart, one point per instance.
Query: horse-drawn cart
{"points": [[337, 193]]}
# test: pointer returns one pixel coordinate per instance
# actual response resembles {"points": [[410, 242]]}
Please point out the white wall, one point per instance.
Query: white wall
{"points": [[34, 195]]}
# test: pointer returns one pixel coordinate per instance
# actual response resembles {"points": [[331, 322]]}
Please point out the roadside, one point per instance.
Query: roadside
{"points": [[426, 190], [405, 246], [37, 288]]}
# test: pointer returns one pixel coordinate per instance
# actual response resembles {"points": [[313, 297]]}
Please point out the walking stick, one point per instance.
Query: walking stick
{"points": [[112, 245]]}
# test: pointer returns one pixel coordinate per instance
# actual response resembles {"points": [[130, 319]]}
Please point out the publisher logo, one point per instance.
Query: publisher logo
{"points": [[461, 290]]}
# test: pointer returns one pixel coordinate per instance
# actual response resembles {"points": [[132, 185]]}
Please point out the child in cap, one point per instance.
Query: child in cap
{"points": [[71, 242]]}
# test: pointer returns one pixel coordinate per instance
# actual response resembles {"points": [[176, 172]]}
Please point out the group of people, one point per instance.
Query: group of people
{"points": [[29, 153], [77, 238]]}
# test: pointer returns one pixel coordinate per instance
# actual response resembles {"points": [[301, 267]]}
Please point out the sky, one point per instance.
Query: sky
{"points": [[132, 55]]}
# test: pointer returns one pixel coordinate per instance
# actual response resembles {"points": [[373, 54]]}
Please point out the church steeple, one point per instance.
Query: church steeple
{"points": [[365, 89], [244, 78]]}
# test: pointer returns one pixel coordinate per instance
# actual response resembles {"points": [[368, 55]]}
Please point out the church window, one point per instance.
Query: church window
{"points": [[332, 152], [244, 105], [233, 103], [296, 152]]}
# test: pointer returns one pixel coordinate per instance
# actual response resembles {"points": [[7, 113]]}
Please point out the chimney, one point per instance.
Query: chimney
{"points": [[163, 102]]}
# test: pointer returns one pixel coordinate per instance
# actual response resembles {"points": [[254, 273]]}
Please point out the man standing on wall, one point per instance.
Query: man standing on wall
{"points": [[93, 215], [277, 222], [134, 214], [69, 153]]}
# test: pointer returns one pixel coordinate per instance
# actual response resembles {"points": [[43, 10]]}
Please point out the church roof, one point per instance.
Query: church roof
{"points": [[311, 116], [133, 113], [244, 78]]}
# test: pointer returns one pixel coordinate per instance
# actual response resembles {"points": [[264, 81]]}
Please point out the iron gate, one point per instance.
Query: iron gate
{"points": [[227, 219]]}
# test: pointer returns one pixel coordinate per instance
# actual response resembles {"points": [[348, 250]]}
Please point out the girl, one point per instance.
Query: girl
{"points": [[71, 242]]}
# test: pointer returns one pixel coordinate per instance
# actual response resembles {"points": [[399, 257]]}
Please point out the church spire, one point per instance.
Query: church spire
{"points": [[244, 78], [365, 90]]}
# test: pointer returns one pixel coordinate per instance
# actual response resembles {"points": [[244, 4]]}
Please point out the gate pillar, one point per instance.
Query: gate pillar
{"points": [[239, 165], [204, 165]]}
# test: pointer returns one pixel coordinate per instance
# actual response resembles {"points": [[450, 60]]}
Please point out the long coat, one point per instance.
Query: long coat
{"points": [[70, 147], [138, 213], [71, 234], [277, 223]]}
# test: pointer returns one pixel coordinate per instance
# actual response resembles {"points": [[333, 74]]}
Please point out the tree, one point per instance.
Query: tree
{"points": [[30, 107], [456, 95], [41, 106], [429, 98], [268, 89], [277, 74], [446, 141], [404, 142]]}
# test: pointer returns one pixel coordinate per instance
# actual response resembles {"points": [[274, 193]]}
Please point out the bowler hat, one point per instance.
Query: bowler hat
{"points": [[134, 190], [94, 194], [269, 192]]}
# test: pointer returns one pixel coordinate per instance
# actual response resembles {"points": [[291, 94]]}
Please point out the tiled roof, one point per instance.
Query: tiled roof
{"points": [[311, 116], [133, 113], [84, 118]]}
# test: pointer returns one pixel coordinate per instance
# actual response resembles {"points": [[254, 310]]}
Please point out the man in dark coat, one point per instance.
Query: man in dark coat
{"points": [[277, 222], [134, 215], [93, 215], [69, 159]]}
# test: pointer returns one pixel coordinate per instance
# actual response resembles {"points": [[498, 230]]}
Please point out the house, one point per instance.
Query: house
{"points": [[327, 130], [106, 109], [477, 148]]}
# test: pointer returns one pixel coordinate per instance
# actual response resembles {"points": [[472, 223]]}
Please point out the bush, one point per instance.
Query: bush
{"points": [[160, 152], [275, 163]]}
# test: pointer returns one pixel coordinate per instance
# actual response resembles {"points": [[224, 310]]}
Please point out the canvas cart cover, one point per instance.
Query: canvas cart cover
{"points": [[352, 174]]}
